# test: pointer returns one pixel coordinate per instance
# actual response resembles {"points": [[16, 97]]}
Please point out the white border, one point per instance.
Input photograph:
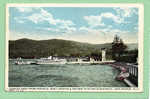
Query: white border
{"points": [[82, 89]]}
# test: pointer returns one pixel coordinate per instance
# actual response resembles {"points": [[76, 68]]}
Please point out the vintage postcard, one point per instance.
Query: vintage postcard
{"points": [[74, 47]]}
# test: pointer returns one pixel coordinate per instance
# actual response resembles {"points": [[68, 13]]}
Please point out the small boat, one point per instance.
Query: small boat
{"points": [[22, 63], [19, 61], [122, 76]]}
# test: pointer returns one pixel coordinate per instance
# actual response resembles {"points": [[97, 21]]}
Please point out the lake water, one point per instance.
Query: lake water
{"points": [[63, 76]]}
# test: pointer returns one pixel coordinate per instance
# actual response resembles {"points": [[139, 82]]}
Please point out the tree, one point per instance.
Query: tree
{"points": [[118, 47]]}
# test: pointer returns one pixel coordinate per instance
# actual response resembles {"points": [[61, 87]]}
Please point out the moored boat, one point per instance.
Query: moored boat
{"points": [[51, 60]]}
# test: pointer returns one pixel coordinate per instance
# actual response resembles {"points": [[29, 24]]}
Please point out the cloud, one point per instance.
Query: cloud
{"points": [[60, 30], [135, 28], [24, 9], [49, 29], [122, 13], [89, 31], [44, 16], [94, 21], [67, 28], [104, 31], [99, 36], [126, 11], [83, 28], [19, 20], [115, 18], [40, 17]]}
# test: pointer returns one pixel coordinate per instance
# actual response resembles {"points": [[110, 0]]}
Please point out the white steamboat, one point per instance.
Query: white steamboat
{"points": [[51, 60]]}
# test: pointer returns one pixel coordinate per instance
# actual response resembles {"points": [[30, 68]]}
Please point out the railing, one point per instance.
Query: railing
{"points": [[133, 70]]}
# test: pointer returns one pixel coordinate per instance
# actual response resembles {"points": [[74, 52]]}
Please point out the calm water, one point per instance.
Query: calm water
{"points": [[63, 76]]}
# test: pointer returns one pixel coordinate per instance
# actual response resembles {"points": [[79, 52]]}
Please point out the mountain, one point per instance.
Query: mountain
{"points": [[42, 48], [132, 46]]}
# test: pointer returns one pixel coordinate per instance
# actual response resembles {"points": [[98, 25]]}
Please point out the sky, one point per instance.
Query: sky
{"points": [[94, 25]]}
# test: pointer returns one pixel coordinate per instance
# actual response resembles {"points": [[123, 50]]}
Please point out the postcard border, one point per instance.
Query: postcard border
{"points": [[69, 89]]}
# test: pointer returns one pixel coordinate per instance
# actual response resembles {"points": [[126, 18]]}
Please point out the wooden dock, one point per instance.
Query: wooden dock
{"points": [[90, 62]]}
